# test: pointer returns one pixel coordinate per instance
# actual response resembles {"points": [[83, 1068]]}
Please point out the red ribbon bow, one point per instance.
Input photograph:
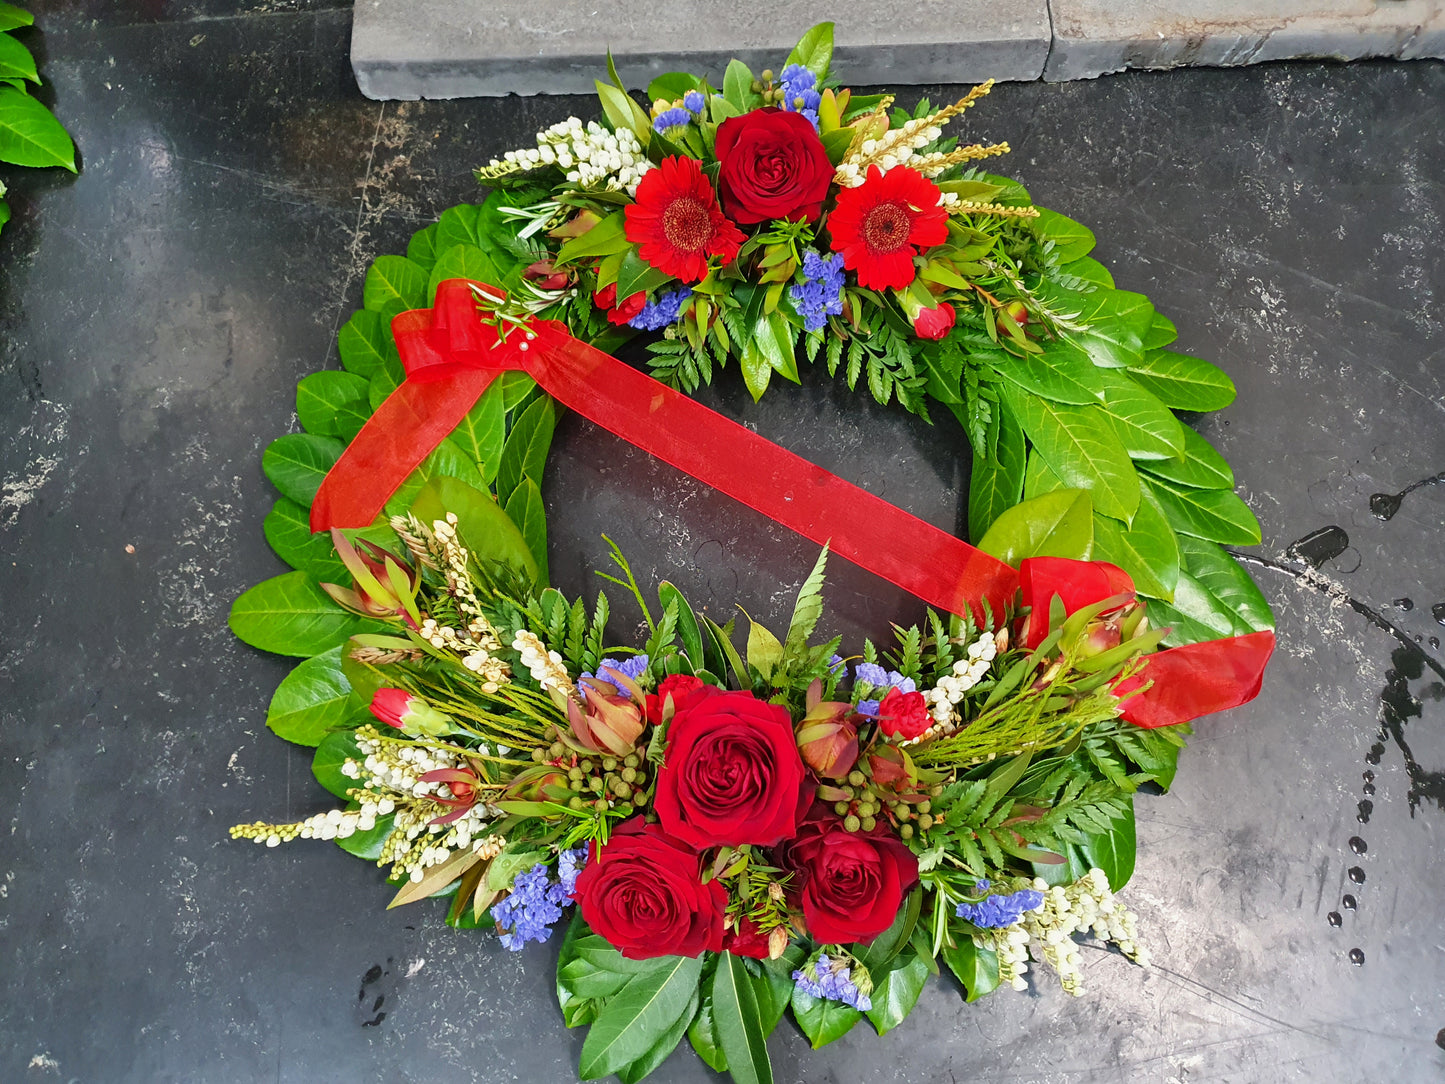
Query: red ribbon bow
{"points": [[451, 355]]}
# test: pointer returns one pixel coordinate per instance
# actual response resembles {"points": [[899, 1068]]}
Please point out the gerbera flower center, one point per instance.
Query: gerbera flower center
{"points": [[687, 224], [885, 227]]}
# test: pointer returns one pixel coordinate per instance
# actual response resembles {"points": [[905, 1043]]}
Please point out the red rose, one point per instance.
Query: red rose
{"points": [[643, 892], [850, 884], [934, 323], [606, 298], [773, 166], [903, 715], [732, 772], [746, 940]]}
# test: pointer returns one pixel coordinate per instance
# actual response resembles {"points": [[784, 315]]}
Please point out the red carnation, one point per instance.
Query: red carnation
{"points": [[903, 715], [677, 222], [881, 224]]}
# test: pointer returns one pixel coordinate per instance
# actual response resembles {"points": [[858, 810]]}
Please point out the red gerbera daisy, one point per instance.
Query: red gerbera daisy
{"points": [[879, 225], [677, 222]]}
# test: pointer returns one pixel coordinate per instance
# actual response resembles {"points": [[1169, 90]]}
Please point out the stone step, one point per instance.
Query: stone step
{"points": [[408, 49]]}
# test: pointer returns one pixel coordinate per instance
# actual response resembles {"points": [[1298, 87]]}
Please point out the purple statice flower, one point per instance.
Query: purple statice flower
{"points": [[869, 708], [800, 92], [694, 102], [569, 868], [831, 980], [874, 675], [656, 315], [835, 663], [676, 117], [632, 668], [529, 913], [996, 911], [820, 295]]}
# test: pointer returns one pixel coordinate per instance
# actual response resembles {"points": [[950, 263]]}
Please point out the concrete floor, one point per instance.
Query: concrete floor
{"points": [[158, 310]]}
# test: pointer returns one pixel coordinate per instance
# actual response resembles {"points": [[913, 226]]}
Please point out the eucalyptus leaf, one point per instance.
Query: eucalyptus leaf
{"points": [[1058, 524], [638, 1015], [1184, 382], [1080, 446], [312, 700], [30, 135], [291, 615]]}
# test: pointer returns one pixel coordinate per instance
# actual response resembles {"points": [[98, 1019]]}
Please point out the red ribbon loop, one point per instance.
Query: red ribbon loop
{"points": [[451, 355]]}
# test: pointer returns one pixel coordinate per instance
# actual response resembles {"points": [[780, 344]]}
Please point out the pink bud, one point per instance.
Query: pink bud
{"points": [[389, 705], [934, 323]]}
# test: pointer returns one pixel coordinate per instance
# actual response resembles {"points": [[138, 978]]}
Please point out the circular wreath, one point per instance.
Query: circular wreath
{"points": [[789, 823]]}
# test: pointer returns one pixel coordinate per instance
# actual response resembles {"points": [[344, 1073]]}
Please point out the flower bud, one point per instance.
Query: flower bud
{"points": [[828, 740], [412, 715]]}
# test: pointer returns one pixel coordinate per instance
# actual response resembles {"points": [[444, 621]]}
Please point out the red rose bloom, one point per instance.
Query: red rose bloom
{"points": [[677, 223], [934, 323], [606, 299], [903, 715], [851, 884], [643, 892], [731, 774], [773, 166], [881, 224]]}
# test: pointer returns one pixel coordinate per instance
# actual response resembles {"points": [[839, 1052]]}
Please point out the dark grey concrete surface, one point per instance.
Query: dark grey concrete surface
{"points": [[157, 311]]}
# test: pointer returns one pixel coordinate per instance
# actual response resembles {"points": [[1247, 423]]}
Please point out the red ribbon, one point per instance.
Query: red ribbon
{"points": [[451, 355]]}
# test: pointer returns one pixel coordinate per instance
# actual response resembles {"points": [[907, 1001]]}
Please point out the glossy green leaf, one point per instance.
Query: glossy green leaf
{"points": [[462, 262], [765, 650], [297, 462], [16, 61], [738, 87], [996, 480], [638, 1015], [689, 633], [735, 1018], [702, 1034], [312, 700], [773, 984], [1117, 322], [671, 86], [604, 239], [365, 345], [578, 1007], [1090, 270], [12, 17], [459, 225], [1062, 373], [383, 382], [1200, 466], [1161, 333], [637, 275], [525, 509], [1113, 851], [1058, 524], [814, 51], [481, 434], [1147, 549], [1184, 382], [446, 460], [524, 455], [623, 112], [1227, 582], [30, 135], [823, 1021], [1217, 515], [332, 752], [291, 615], [288, 529], [422, 248], [883, 949], [1145, 426], [333, 404], [1038, 479], [1080, 446], [367, 843], [394, 284], [1072, 240], [896, 992], [976, 968], [484, 527], [665, 1045]]}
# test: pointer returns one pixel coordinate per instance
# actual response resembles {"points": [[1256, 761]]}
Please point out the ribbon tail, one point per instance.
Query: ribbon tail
{"points": [[942, 570], [405, 429], [1198, 679]]}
